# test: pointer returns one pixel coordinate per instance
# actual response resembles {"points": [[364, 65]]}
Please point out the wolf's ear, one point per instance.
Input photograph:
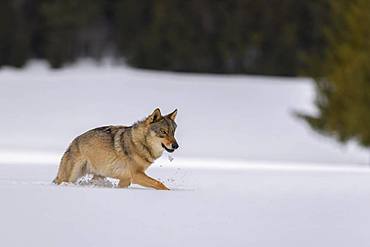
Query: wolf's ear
{"points": [[154, 117], [172, 115]]}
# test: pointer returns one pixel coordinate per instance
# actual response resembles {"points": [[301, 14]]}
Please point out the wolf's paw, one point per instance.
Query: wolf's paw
{"points": [[161, 186]]}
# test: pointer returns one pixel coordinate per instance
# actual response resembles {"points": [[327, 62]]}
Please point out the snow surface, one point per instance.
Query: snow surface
{"points": [[213, 207], [247, 172], [238, 117]]}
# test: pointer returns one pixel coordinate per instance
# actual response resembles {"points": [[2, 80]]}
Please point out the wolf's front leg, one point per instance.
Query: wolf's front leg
{"points": [[146, 181], [124, 182]]}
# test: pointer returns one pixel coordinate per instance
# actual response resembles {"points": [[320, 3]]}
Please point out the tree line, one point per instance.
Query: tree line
{"points": [[273, 37]]}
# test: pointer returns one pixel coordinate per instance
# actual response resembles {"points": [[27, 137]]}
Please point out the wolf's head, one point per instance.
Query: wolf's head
{"points": [[162, 130]]}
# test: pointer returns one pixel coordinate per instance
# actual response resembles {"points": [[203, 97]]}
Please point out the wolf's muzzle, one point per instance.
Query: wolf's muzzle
{"points": [[169, 150], [175, 145]]}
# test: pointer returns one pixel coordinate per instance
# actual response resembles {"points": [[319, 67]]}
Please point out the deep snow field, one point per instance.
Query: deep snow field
{"points": [[248, 173]]}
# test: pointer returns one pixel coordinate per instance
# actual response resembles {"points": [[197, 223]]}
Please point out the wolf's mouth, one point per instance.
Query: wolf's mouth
{"points": [[168, 150]]}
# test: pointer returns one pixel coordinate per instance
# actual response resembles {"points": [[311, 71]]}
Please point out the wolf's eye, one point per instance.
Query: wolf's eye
{"points": [[163, 132]]}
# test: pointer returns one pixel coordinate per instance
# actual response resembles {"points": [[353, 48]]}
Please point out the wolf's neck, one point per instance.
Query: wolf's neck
{"points": [[147, 148]]}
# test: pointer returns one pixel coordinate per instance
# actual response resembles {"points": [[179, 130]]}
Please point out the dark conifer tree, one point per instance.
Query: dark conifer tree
{"points": [[343, 90]]}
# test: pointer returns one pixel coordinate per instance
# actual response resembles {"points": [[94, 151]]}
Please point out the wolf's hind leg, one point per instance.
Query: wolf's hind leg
{"points": [[72, 166], [97, 177], [65, 168], [78, 170]]}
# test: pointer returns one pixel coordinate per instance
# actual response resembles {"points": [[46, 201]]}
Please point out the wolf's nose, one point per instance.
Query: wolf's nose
{"points": [[175, 145]]}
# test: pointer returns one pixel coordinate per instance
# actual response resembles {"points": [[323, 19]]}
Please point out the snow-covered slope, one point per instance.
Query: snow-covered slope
{"points": [[239, 117]]}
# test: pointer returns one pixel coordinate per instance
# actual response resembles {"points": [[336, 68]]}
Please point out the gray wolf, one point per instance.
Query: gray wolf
{"points": [[121, 152]]}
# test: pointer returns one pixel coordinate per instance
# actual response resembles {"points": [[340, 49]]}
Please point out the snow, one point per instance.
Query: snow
{"points": [[212, 207], [247, 173], [238, 117]]}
